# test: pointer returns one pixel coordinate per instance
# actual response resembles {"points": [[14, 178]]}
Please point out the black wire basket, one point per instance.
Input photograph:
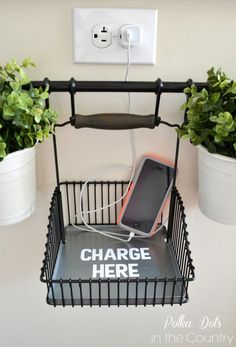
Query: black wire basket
{"points": [[165, 267], [165, 280]]}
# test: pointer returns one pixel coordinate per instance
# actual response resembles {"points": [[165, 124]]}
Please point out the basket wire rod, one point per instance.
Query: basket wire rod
{"points": [[53, 295], [68, 203], [49, 255], [54, 144], [56, 160], [122, 193], [180, 247], [174, 239], [102, 202], [145, 291], [53, 240], [72, 91], [182, 291], [62, 293], [164, 292], [173, 193], [118, 292], [172, 125], [90, 293], [173, 291], [185, 262], [136, 292], [71, 293], [158, 91], [182, 244], [108, 201], [188, 274], [127, 292], [61, 219], [183, 255], [80, 187], [59, 200], [88, 202], [108, 292], [99, 292], [95, 201], [81, 293], [179, 230], [154, 292], [75, 205], [116, 198]]}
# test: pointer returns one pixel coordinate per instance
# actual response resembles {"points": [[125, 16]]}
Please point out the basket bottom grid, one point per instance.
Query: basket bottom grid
{"points": [[156, 272]]}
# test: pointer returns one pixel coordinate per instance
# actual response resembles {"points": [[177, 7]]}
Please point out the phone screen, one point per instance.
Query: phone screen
{"points": [[152, 185]]}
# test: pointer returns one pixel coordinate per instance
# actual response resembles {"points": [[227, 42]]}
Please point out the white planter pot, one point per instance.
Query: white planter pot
{"points": [[17, 186], [217, 186]]}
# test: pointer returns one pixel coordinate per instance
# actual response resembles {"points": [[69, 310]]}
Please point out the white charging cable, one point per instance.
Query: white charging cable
{"points": [[82, 212], [88, 227]]}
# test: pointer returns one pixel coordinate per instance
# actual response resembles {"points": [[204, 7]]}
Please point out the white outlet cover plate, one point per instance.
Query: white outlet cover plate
{"points": [[84, 19]]}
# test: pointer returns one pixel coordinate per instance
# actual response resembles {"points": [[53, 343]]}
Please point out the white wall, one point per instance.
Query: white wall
{"points": [[192, 37]]}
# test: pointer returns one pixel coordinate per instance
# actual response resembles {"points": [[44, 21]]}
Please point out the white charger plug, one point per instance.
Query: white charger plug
{"points": [[129, 34]]}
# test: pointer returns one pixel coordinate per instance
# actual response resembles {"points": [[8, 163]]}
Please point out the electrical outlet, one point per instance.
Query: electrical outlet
{"points": [[96, 28], [101, 36]]}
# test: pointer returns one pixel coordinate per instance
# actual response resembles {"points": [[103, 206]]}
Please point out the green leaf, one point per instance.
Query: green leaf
{"points": [[186, 137], [23, 120], [32, 138], [15, 85], [230, 106], [2, 150], [187, 90], [234, 146], [19, 139], [39, 135], [218, 138], [8, 113], [224, 117], [13, 98], [44, 95], [24, 78], [224, 84], [215, 97], [34, 92], [27, 141], [207, 107], [28, 61], [211, 147], [37, 118], [213, 119], [204, 94], [193, 88]]}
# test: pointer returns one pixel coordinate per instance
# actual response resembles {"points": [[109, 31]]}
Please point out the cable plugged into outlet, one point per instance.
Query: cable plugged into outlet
{"points": [[101, 36], [129, 34]]}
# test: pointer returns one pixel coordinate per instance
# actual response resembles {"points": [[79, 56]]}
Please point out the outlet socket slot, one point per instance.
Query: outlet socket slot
{"points": [[101, 36]]}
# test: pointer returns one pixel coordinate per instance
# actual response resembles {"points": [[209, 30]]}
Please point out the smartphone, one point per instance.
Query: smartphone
{"points": [[147, 196]]}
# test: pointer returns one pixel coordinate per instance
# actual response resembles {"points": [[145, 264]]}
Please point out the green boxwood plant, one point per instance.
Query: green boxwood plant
{"points": [[211, 114], [24, 119]]}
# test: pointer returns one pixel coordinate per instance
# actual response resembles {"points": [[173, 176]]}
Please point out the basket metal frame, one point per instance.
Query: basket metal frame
{"points": [[177, 235]]}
